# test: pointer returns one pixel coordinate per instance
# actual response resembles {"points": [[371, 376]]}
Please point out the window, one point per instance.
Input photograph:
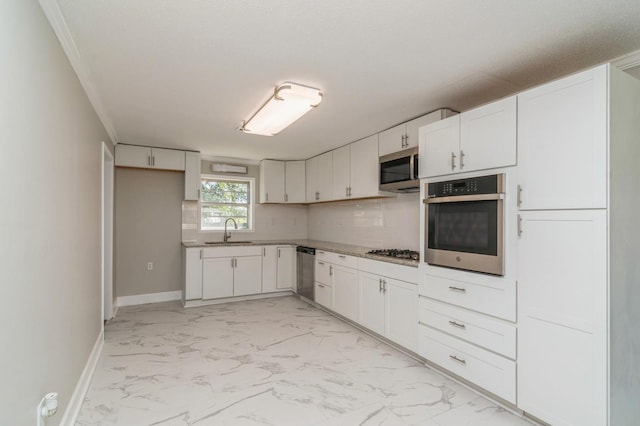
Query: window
{"points": [[223, 197]]}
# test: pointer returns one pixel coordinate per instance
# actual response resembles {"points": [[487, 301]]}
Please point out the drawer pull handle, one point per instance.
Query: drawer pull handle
{"points": [[461, 290], [460, 360], [320, 285], [457, 324], [321, 263], [342, 256]]}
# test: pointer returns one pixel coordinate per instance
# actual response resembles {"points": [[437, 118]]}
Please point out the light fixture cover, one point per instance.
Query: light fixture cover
{"points": [[289, 102]]}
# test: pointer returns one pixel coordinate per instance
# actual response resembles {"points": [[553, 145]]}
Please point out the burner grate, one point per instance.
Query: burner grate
{"points": [[397, 253]]}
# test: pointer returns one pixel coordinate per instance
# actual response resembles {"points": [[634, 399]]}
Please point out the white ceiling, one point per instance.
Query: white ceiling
{"points": [[184, 73]]}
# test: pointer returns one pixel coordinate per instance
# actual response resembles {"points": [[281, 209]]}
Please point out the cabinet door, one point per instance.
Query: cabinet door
{"points": [[401, 312], [192, 180], [372, 302], [562, 143], [294, 181], [324, 295], [392, 140], [311, 171], [488, 136], [345, 292], [364, 168], [439, 147], [323, 272], [412, 133], [192, 288], [562, 305], [247, 275], [269, 268], [325, 176], [167, 159], [271, 181], [133, 156], [341, 172], [286, 268], [217, 277]]}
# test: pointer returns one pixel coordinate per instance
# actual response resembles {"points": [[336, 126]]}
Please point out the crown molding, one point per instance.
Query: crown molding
{"points": [[627, 61], [52, 11]]}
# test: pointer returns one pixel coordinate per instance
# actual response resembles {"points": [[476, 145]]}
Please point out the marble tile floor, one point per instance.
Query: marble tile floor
{"points": [[275, 361]]}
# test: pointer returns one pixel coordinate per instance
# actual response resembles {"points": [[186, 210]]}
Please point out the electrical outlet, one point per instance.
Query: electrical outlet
{"points": [[150, 266]]}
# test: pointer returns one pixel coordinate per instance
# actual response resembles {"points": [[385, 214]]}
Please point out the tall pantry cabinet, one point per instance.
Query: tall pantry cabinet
{"points": [[578, 249]]}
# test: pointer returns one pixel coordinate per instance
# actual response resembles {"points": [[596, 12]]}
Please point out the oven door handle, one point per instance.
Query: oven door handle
{"points": [[461, 198]]}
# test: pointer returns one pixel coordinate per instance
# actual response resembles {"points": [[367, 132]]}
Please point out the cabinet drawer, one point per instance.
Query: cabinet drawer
{"points": [[399, 272], [231, 251], [343, 260], [496, 298], [322, 255], [324, 295], [483, 331], [483, 368], [323, 272]]}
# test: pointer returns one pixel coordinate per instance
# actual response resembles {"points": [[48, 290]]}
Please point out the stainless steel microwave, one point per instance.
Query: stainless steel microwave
{"points": [[398, 171]]}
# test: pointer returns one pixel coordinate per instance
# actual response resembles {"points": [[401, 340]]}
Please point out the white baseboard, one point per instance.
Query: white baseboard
{"points": [[141, 299], [193, 303], [75, 403]]}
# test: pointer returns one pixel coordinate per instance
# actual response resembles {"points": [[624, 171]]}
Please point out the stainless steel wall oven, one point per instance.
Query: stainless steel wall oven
{"points": [[464, 224]]}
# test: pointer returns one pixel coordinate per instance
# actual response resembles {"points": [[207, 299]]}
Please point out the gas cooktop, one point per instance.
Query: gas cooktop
{"points": [[397, 253]]}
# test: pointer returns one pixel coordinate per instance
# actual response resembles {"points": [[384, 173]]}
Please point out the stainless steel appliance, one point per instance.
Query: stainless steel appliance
{"points": [[396, 253], [398, 171], [306, 271], [464, 224]]}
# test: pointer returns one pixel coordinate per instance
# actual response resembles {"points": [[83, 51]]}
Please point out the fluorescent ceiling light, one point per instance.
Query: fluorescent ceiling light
{"points": [[289, 102]]}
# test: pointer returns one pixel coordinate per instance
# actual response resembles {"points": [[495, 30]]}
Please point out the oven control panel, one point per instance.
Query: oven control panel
{"points": [[492, 184]]}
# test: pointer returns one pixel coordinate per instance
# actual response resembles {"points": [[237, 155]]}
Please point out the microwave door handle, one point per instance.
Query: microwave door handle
{"points": [[460, 198], [414, 166]]}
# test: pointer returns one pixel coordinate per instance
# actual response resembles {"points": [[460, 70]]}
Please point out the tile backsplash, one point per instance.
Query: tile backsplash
{"points": [[271, 222], [378, 223]]}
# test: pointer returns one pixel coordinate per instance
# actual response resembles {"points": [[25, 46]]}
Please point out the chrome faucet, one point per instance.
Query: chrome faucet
{"points": [[227, 235]]}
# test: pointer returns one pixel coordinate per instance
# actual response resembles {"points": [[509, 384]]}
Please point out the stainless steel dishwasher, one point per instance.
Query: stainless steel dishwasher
{"points": [[306, 271]]}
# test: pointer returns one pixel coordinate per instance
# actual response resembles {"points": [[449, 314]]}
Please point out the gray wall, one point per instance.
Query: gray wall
{"points": [[50, 256], [147, 229]]}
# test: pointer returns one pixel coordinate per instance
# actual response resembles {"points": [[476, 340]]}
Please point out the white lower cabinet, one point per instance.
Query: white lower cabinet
{"points": [[192, 273], [231, 276], [286, 268], [486, 369], [345, 291], [324, 295], [217, 277], [388, 306], [278, 268], [562, 341]]}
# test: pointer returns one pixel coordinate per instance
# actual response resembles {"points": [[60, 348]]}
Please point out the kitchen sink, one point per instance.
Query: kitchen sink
{"points": [[222, 243]]}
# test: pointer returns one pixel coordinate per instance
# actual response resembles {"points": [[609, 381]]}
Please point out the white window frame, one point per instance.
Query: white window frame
{"points": [[251, 221]]}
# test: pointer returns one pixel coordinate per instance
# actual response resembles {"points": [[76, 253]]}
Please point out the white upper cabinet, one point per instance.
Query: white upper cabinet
{"points": [[192, 179], [311, 172], [149, 158], [325, 176], [439, 144], [392, 140], [355, 169], [294, 173], [488, 136], [405, 135], [272, 181], [133, 156], [320, 178], [562, 143], [364, 168], [483, 138], [341, 172], [167, 159]]}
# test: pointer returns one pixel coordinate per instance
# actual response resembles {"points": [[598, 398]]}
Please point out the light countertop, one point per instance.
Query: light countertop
{"points": [[347, 249]]}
